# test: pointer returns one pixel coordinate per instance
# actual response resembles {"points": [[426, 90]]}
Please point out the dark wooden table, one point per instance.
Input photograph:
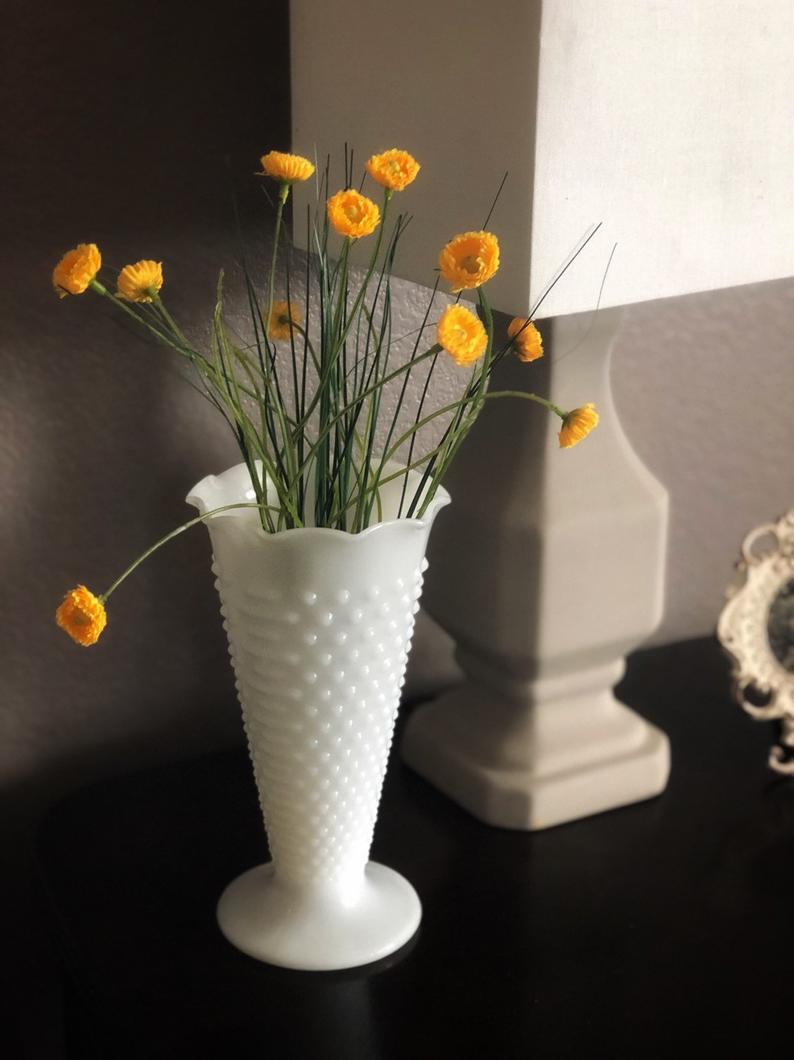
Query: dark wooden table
{"points": [[649, 931]]}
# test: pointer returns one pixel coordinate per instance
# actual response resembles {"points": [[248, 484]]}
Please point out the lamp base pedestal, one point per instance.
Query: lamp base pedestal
{"points": [[547, 572], [534, 765]]}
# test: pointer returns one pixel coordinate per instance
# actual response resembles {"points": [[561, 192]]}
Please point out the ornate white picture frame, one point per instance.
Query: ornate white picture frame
{"points": [[756, 629]]}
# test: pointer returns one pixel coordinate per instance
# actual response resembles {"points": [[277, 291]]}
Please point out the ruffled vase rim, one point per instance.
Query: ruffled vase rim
{"points": [[199, 498]]}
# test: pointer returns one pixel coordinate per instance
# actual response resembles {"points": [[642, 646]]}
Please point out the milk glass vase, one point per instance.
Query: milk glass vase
{"points": [[319, 623]]}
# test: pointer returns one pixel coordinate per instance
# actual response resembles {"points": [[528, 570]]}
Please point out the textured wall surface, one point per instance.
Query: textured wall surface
{"points": [[703, 385], [115, 127]]}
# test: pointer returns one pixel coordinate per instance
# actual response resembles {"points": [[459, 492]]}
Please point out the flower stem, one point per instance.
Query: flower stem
{"points": [[164, 540], [282, 198]]}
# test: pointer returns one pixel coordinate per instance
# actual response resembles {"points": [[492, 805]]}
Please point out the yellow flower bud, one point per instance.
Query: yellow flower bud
{"points": [[82, 615], [140, 282], [76, 269], [577, 425], [393, 169], [469, 260], [462, 335], [352, 214]]}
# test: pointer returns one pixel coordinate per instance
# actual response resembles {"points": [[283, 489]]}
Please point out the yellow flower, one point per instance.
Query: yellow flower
{"points": [[282, 316], [528, 342], [393, 169], [76, 269], [469, 260], [284, 167], [140, 282], [462, 335], [353, 214], [577, 425], [82, 615]]}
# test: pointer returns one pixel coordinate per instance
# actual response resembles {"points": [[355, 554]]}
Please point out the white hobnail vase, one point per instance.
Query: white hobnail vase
{"points": [[319, 623]]}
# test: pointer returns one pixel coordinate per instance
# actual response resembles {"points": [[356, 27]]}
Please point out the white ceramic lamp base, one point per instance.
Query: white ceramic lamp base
{"points": [[548, 572], [319, 930], [531, 765]]}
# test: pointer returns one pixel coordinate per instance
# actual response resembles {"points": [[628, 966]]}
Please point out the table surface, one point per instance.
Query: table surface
{"points": [[638, 932]]}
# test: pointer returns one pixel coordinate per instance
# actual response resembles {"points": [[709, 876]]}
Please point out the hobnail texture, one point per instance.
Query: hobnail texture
{"points": [[319, 678], [319, 624]]}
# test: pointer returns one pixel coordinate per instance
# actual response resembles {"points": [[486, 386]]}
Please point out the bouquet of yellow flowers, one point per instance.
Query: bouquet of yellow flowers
{"points": [[303, 395]]}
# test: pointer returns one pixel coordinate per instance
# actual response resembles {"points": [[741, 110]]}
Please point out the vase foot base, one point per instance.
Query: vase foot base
{"points": [[274, 922], [557, 763]]}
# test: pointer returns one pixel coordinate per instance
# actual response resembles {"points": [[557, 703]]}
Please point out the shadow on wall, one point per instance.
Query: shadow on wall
{"points": [[128, 132]]}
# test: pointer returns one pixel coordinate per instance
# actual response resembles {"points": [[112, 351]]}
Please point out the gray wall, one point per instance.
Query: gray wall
{"points": [[704, 385], [128, 128]]}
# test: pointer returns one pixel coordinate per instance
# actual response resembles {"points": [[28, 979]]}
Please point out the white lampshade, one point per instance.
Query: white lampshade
{"points": [[669, 122]]}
